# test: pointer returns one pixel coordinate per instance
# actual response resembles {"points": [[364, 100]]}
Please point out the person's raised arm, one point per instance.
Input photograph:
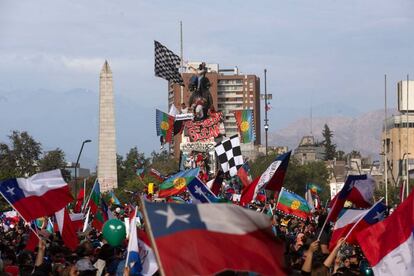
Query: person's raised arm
{"points": [[307, 265], [40, 253], [328, 261]]}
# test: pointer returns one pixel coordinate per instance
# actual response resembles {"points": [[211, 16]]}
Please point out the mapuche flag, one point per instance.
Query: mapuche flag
{"points": [[244, 121], [177, 183], [164, 125], [293, 204], [315, 189]]}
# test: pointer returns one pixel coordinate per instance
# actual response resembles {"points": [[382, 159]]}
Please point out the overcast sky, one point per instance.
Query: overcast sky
{"points": [[328, 54]]}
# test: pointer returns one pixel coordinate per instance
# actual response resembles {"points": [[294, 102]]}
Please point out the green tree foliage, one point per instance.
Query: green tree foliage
{"points": [[164, 163], [312, 172], [21, 157], [330, 148], [7, 162], [340, 155], [353, 154], [52, 160], [127, 167]]}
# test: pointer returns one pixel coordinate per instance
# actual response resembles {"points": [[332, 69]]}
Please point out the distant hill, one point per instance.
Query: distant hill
{"points": [[362, 133]]}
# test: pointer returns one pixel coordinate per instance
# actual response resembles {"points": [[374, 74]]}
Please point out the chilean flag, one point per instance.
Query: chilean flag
{"points": [[77, 220], [343, 195], [203, 239], [354, 221], [345, 222], [67, 229], [271, 179], [362, 192], [133, 260], [147, 255], [199, 192], [389, 244], [42, 194]]}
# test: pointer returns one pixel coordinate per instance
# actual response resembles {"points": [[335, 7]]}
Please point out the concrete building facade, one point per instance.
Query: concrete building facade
{"points": [[107, 169], [398, 135], [309, 150]]}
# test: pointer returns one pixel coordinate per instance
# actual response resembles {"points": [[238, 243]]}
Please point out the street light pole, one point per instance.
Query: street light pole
{"points": [[406, 182], [266, 126], [77, 163]]}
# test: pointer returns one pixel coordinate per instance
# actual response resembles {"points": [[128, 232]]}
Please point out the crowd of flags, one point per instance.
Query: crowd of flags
{"points": [[216, 236], [37, 192]]}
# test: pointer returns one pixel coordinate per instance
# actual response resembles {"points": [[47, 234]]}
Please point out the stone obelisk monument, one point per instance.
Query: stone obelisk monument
{"points": [[107, 171]]}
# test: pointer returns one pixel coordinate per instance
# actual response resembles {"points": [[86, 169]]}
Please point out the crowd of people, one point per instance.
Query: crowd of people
{"points": [[304, 253]]}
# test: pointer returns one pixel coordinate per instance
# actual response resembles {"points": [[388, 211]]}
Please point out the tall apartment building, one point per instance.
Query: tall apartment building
{"points": [[398, 135], [230, 91]]}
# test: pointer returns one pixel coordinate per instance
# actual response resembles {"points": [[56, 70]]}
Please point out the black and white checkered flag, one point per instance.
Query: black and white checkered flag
{"points": [[167, 64], [229, 154]]}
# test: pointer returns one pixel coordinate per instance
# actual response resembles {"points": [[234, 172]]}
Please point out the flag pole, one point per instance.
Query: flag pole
{"points": [[385, 142], [84, 190], [86, 222], [326, 220], [90, 195], [148, 229], [182, 61], [35, 232], [358, 221]]}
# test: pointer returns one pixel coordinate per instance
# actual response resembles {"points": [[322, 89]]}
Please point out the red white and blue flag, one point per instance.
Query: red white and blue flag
{"points": [[271, 179], [389, 245], [352, 221], [146, 254], [40, 195], [203, 239], [67, 229], [199, 192], [244, 174], [133, 260], [351, 182], [361, 193]]}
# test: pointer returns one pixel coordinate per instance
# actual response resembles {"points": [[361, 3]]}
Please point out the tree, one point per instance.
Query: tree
{"points": [[354, 154], [52, 160], [127, 167], [164, 163], [298, 176], [7, 162], [21, 158], [330, 148]]}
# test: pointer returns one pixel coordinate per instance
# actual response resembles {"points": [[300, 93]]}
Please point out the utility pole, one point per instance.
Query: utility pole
{"points": [[408, 130], [266, 126], [385, 142], [182, 61]]}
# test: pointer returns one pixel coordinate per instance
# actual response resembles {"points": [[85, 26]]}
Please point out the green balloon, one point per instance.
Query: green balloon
{"points": [[114, 232]]}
